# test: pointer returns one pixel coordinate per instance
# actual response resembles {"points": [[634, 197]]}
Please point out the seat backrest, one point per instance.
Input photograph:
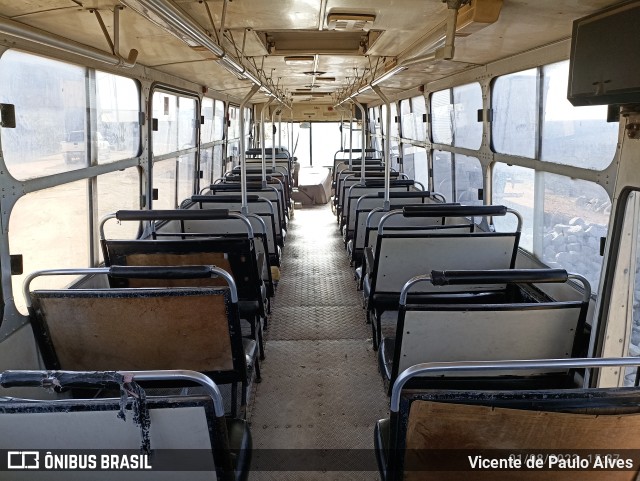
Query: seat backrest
{"points": [[235, 255], [137, 329], [255, 204], [97, 428], [356, 191], [552, 421], [230, 227], [270, 192], [369, 202], [427, 423], [401, 256], [412, 225], [485, 332]]}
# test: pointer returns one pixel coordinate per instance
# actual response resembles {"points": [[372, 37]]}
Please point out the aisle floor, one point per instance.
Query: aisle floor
{"points": [[321, 389]]}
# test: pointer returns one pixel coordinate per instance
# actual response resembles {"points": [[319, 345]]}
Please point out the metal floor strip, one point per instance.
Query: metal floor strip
{"points": [[321, 389]]}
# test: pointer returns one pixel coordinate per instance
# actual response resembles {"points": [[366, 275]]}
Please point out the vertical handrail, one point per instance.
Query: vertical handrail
{"points": [[387, 148], [263, 160], [350, 138], [273, 144], [279, 129], [363, 155], [243, 154]]}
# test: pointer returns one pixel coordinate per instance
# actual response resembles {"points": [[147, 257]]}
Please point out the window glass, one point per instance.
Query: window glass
{"points": [[186, 123], [217, 162], [418, 109], [119, 190], [50, 104], [394, 154], [218, 121], [468, 179], [118, 117], [515, 107], [164, 179], [467, 100], [634, 340], [395, 131], [383, 119], [301, 144], [442, 117], [421, 166], [165, 110], [374, 127], [233, 155], [408, 166], [234, 122], [206, 166], [408, 125], [576, 216], [514, 187], [186, 179], [372, 119], [415, 165], [443, 174], [325, 141], [578, 136], [206, 130], [50, 228]]}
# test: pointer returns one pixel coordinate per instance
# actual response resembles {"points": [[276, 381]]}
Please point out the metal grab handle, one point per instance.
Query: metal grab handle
{"points": [[431, 368], [213, 272], [451, 210], [173, 214], [497, 276]]}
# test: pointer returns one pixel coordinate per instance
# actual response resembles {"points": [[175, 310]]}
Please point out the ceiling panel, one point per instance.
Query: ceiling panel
{"points": [[259, 15], [13, 8]]}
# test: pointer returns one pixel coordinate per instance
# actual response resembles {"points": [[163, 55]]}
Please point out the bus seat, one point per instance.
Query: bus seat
{"points": [[511, 320], [137, 328], [394, 260], [235, 254], [221, 447], [433, 430]]}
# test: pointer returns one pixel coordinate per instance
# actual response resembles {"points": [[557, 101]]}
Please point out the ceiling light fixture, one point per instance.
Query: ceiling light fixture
{"points": [[388, 75], [300, 60]]}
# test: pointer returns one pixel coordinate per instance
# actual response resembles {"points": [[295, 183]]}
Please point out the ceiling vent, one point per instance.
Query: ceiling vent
{"points": [[350, 22]]}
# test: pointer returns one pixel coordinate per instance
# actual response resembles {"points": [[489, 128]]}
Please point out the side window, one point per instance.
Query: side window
{"points": [[418, 111], [442, 117], [514, 104], [50, 228], [118, 119], [50, 135], [578, 136], [514, 187], [443, 174], [173, 177]]}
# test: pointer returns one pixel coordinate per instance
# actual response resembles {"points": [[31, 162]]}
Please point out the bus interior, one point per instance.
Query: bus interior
{"points": [[319, 239]]}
